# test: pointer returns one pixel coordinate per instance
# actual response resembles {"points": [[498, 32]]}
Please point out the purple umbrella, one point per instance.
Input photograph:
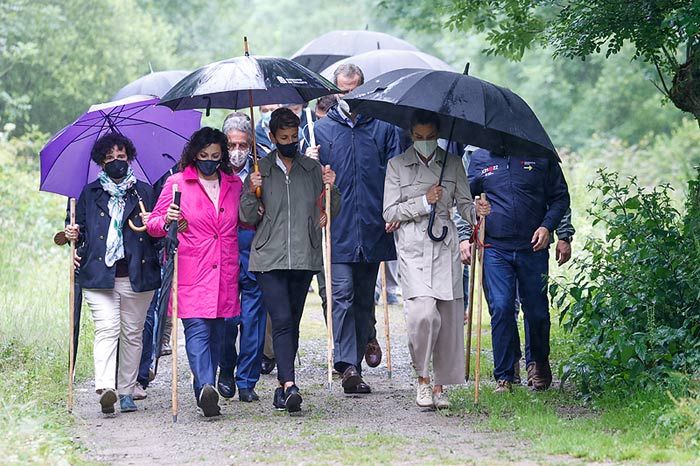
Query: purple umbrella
{"points": [[158, 133]]}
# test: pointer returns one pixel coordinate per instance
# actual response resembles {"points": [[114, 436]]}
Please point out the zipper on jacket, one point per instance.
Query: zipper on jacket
{"points": [[289, 222], [356, 183]]}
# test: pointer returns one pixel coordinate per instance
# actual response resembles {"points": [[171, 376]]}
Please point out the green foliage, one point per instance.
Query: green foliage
{"points": [[633, 302], [684, 421]]}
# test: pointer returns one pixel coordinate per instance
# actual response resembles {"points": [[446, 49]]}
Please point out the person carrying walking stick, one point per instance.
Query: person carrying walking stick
{"points": [[430, 271], [286, 249], [529, 196], [207, 254], [118, 267]]}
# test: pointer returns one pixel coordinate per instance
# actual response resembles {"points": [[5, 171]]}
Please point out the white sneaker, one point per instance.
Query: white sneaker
{"points": [[139, 392], [424, 396], [441, 401]]}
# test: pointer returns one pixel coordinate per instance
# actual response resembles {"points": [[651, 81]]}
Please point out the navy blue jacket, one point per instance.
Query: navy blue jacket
{"points": [[359, 156], [92, 214], [525, 194]]}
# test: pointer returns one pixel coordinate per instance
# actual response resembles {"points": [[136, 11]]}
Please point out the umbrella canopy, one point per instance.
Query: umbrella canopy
{"points": [[333, 46], [472, 111], [155, 84], [232, 83], [378, 62], [158, 134]]}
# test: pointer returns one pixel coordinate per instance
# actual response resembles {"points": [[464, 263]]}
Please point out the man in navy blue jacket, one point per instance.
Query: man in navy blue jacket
{"points": [[529, 197], [357, 148]]}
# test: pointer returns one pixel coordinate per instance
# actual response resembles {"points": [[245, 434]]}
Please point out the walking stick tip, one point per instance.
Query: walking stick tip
{"points": [[174, 418]]}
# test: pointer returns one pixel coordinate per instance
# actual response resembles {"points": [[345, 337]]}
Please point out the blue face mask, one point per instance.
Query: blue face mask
{"points": [[288, 150], [265, 118], [208, 167]]}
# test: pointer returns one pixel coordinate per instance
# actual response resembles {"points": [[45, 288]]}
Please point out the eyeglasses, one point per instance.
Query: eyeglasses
{"points": [[238, 145]]}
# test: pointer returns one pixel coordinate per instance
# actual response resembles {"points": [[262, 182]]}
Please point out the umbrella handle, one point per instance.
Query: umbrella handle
{"points": [[431, 221], [142, 228]]}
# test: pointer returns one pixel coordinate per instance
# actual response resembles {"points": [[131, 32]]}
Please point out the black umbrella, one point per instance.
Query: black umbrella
{"points": [[472, 111], [155, 83], [333, 46]]}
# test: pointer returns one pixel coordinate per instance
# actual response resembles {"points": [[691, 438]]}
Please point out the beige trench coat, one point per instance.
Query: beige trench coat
{"points": [[426, 267]]}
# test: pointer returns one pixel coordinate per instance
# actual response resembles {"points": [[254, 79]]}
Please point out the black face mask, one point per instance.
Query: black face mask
{"points": [[208, 167], [288, 150], [116, 169]]}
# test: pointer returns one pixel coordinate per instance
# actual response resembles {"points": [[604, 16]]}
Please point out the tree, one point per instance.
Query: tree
{"points": [[665, 33]]}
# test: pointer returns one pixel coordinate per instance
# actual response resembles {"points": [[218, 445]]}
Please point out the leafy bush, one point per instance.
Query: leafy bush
{"points": [[633, 301]]}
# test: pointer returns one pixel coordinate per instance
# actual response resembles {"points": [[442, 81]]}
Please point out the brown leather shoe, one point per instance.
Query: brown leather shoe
{"points": [[351, 378], [516, 373], [542, 375], [373, 353]]}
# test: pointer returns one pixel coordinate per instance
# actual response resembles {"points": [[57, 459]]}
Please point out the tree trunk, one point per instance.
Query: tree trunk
{"points": [[685, 91]]}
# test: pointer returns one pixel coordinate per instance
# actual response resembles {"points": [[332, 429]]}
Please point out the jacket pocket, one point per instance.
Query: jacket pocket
{"points": [[262, 236], [314, 233]]}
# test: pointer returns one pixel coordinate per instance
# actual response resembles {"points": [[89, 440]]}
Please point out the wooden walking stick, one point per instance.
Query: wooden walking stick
{"points": [[387, 333], [176, 200], [258, 190], [480, 291], [71, 317], [470, 311]]}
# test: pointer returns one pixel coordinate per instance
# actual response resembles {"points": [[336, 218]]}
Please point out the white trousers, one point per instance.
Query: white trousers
{"points": [[436, 334], [119, 315]]}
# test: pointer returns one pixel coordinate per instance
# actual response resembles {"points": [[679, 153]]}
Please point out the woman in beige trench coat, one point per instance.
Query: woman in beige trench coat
{"points": [[431, 272]]}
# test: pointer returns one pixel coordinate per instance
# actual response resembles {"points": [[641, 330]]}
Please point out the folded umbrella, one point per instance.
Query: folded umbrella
{"points": [[378, 62], [334, 46], [158, 134]]}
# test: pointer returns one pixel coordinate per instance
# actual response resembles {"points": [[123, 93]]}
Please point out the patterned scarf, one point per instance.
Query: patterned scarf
{"points": [[116, 204]]}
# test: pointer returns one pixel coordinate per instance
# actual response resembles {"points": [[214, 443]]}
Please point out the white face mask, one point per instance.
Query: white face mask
{"points": [[265, 118], [425, 148], [238, 157]]}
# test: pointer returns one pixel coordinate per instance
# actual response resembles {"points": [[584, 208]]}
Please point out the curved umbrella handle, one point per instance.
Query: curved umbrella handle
{"points": [[132, 225], [431, 221]]}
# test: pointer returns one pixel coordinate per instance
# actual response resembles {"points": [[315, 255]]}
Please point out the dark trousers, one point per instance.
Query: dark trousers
{"points": [[251, 324], [203, 344], [147, 349], [504, 271], [284, 294], [353, 311]]}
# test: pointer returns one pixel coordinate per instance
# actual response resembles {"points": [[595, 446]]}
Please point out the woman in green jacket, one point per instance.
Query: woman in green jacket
{"points": [[286, 251]]}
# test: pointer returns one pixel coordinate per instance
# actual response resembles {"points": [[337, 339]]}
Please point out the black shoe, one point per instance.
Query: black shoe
{"points": [[107, 400], [351, 378], [248, 395], [292, 399], [267, 365], [209, 401], [360, 389], [278, 399], [227, 387]]}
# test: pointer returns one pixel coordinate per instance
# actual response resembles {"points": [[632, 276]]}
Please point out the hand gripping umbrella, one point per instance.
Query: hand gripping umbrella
{"points": [[247, 81], [471, 111]]}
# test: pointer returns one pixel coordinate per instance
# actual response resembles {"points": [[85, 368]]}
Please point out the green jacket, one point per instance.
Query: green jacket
{"points": [[288, 235]]}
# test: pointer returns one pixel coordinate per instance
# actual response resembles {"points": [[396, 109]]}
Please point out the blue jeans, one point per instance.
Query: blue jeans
{"points": [[203, 344], [504, 271], [252, 323], [147, 351], [353, 310]]}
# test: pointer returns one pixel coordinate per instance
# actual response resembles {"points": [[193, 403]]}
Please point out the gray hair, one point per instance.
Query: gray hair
{"points": [[348, 70], [238, 121]]}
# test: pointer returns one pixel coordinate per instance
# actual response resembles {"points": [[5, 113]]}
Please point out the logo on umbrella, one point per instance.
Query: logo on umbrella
{"points": [[294, 81]]}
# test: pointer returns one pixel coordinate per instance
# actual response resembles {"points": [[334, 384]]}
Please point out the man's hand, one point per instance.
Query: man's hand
{"points": [[255, 180], [392, 226], [434, 194], [322, 220], [563, 252], [483, 207], [465, 252], [540, 240], [312, 152], [76, 259], [328, 175], [72, 232]]}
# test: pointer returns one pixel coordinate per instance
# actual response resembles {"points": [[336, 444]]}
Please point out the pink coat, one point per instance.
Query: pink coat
{"points": [[208, 251]]}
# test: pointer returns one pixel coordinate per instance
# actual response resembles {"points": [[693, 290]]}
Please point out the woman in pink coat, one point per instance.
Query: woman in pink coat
{"points": [[207, 253]]}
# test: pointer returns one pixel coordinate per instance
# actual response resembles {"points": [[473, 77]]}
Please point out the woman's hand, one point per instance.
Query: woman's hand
{"points": [[434, 194], [144, 217], [72, 232], [483, 207], [328, 175], [173, 214], [255, 180], [312, 152]]}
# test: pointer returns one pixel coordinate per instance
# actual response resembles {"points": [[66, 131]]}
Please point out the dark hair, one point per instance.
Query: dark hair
{"points": [[348, 70], [283, 118], [425, 117], [325, 103], [201, 139], [105, 144]]}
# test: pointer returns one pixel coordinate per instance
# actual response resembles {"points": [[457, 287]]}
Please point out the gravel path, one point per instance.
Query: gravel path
{"points": [[382, 428]]}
